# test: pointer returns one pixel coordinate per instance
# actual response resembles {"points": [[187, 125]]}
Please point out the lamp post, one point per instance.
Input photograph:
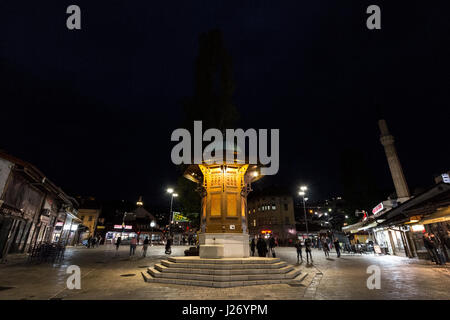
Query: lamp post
{"points": [[172, 194], [302, 193], [152, 224]]}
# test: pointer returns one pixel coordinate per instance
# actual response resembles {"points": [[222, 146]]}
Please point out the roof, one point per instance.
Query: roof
{"points": [[40, 178], [400, 212]]}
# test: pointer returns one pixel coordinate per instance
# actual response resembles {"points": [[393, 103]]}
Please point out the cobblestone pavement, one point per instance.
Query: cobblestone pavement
{"points": [[107, 274]]}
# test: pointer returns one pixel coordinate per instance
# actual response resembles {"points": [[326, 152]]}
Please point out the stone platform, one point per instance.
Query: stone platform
{"points": [[224, 273]]}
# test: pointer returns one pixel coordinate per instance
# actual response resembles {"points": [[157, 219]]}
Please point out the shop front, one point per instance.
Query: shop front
{"points": [[125, 232]]}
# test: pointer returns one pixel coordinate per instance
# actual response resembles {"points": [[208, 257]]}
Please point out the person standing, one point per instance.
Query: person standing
{"points": [[89, 241], [438, 245], [99, 238], [337, 246], [168, 246], [145, 247], [326, 249], [252, 247], [431, 247], [118, 241], [271, 245], [298, 246], [133, 244], [308, 250], [261, 246]]}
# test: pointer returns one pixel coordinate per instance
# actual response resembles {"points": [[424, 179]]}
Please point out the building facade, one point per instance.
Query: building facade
{"points": [[272, 213], [30, 207]]}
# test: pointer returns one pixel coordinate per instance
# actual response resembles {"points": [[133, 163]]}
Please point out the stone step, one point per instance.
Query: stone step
{"points": [[175, 269], [172, 264], [233, 261], [212, 277], [226, 284]]}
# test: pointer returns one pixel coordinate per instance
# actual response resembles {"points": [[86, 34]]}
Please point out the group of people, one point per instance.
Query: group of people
{"points": [[263, 247], [436, 246], [308, 244], [145, 244], [299, 246], [94, 241]]}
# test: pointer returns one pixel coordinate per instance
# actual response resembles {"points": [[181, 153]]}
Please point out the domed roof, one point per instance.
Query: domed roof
{"points": [[223, 146]]}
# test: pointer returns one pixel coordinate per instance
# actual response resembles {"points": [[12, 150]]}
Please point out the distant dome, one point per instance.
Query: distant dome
{"points": [[223, 146]]}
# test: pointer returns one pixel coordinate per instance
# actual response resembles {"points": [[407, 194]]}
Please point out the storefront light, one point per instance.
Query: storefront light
{"points": [[417, 227]]}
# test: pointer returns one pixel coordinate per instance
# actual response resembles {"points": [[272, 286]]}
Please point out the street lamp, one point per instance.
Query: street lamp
{"points": [[302, 194], [152, 224], [173, 194]]}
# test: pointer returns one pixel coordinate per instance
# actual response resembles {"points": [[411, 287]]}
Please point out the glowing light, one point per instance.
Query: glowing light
{"points": [[170, 190], [417, 227]]}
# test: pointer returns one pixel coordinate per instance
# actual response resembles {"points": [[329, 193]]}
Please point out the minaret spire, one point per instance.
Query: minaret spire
{"points": [[387, 140]]}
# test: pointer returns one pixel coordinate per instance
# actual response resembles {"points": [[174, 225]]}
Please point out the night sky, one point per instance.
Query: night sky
{"points": [[94, 109]]}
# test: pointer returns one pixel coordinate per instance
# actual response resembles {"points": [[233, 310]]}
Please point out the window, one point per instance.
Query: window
{"points": [[90, 218], [254, 222], [285, 207], [286, 220], [274, 207]]}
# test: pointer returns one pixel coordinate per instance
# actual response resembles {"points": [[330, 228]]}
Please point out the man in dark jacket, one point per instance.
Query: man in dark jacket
{"points": [[271, 244], [430, 245], [298, 246], [337, 246], [308, 244], [252, 247], [261, 246]]}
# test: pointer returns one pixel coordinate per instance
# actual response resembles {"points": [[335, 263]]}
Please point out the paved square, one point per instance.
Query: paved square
{"points": [[107, 274]]}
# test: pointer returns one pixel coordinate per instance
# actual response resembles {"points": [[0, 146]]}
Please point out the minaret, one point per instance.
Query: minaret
{"points": [[387, 140]]}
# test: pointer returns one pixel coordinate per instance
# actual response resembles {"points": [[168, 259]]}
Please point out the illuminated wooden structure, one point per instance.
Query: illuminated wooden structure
{"points": [[224, 189]]}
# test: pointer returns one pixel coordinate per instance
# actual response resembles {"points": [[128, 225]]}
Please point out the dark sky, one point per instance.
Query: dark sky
{"points": [[94, 109]]}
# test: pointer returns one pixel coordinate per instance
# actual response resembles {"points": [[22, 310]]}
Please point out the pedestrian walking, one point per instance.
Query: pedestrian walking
{"points": [[298, 246], [133, 244], [99, 238], [168, 246], [252, 247], [89, 241], [337, 246], [118, 241], [326, 248], [145, 247]]}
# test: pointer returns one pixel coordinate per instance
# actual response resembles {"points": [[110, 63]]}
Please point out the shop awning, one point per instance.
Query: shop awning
{"points": [[439, 216], [353, 228]]}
